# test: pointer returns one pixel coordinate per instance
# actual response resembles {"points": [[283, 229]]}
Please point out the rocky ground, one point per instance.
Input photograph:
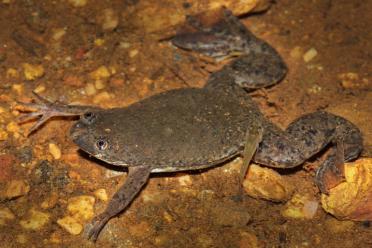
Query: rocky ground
{"points": [[109, 53]]}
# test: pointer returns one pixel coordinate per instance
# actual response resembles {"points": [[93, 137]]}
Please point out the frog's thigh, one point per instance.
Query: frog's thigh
{"points": [[278, 150]]}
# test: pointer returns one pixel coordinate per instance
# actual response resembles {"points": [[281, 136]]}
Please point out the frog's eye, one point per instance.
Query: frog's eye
{"points": [[101, 144], [89, 116]]}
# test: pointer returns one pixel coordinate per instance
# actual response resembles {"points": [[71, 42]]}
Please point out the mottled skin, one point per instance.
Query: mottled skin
{"points": [[188, 129]]}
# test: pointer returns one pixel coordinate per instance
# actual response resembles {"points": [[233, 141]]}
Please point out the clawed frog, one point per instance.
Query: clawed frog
{"points": [[194, 128]]}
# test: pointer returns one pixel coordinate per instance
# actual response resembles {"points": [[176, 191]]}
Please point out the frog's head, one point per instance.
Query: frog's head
{"points": [[95, 134]]}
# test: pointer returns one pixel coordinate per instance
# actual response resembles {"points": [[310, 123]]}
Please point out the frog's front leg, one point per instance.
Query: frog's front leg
{"points": [[45, 109], [137, 177]]}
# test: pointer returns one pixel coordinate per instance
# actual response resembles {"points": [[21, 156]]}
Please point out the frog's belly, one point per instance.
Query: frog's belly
{"points": [[182, 129]]}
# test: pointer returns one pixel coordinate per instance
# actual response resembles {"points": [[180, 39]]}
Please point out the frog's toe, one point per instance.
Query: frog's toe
{"points": [[93, 229], [329, 176]]}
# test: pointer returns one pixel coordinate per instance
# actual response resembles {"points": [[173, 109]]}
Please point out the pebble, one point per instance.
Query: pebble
{"points": [[101, 72], [248, 240], [58, 33], [101, 97], [99, 42], [133, 53], [81, 207], [90, 90], [296, 52], [32, 72], [71, 225], [3, 135], [35, 220], [310, 54], [101, 194], [39, 89], [300, 207], [184, 180], [14, 188], [99, 84], [265, 183], [12, 73], [18, 88], [110, 20], [5, 216], [55, 151], [352, 199], [78, 3], [352, 80]]}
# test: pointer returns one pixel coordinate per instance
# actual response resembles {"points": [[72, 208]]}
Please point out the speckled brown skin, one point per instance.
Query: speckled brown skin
{"points": [[187, 129]]}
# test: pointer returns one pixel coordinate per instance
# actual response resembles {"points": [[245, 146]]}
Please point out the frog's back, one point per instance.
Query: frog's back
{"points": [[179, 129]]}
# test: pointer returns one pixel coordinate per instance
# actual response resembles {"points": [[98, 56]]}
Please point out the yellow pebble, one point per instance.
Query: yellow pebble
{"points": [[99, 84], [101, 194], [3, 135], [39, 89], [100, 72], [70, 225], [90, 90], [18, 88], [32, 72], [99, 42], [133, 53], [12, 127], [12, 73], [310, 54], [55, 151], [101, 97]]}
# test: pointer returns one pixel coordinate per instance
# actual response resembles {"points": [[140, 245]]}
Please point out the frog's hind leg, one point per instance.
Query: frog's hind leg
{"points": [[258, 64], [306, 137], [137, 178], [314, 131]]}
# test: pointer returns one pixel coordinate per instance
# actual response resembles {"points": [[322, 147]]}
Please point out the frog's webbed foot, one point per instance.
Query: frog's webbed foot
{"points": [[93, 229], [331, 172], [45, 110]]}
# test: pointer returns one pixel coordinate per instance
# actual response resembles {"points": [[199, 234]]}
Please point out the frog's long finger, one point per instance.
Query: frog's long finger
{"points": [[27, 117], [42, 99], [44, 118]]}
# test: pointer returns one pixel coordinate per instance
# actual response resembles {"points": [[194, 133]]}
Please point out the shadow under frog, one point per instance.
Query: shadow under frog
{"points": [[194, 128]]}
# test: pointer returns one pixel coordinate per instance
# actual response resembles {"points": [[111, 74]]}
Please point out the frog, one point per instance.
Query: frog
{"points": [[196, 128]]}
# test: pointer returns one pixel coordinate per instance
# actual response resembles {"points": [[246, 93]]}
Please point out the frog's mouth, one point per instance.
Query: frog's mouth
{"points": [[79, 134]]}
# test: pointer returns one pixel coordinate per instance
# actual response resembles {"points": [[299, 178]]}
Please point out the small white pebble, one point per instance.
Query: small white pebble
{"points": [[55, 151], [310, 54]]}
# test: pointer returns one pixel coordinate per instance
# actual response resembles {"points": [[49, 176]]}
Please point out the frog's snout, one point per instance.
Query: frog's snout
{"points": [[77, 131]]}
